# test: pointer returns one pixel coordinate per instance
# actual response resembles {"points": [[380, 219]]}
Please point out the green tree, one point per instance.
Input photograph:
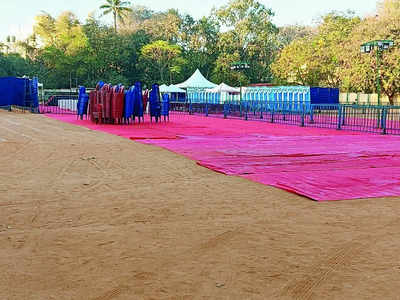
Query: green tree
{"points": [[62, 55], [359, 70], [118, 8], [249, 33], [45, 28], [15, 65], [160, 58], [164, 26], [135, 19], [317, 59], [199, 39], [290, 33]]}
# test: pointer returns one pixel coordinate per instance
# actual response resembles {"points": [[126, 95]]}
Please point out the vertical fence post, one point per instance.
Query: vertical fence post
{"points": [[190, 106], [272, 114], [206, 108], [225, 109], [343, 111], [339, 118], [379, 116], [283, 106], [303, 115], [246, 110], [311, 114], [383, 120]]}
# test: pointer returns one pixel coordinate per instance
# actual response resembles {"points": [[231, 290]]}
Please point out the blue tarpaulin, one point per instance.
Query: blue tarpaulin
{"points": [[12, 91], [19, 92]]}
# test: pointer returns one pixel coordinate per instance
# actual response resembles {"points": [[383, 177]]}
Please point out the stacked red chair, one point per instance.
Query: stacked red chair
{"points": [[117, 104], [108, 104], [92, 103], [95, 106]]}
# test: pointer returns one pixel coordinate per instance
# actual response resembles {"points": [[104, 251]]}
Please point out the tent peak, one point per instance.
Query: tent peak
{"points": [[197, 80]]}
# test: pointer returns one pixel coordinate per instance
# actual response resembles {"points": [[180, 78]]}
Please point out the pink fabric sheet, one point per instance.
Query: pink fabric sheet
{"points": [[322, 164]]}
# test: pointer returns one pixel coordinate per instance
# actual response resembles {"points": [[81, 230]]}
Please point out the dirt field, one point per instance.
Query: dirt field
{"points": [[87, 215]]}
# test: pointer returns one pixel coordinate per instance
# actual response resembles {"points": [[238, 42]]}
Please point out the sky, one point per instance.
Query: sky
{"points": [[17, 16]]}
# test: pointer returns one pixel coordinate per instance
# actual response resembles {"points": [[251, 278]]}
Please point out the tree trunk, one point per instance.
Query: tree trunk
{"points": [[115, 22], [161, 74], [391, 99]]}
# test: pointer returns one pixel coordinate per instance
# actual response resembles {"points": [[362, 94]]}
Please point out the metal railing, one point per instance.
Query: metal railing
{"points": [[59, 104], [364, 118]]}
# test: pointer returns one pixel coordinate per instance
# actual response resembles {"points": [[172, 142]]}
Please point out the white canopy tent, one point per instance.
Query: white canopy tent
{"points": [[162, 88], [171, 89], [196, 81], [224, 88]]}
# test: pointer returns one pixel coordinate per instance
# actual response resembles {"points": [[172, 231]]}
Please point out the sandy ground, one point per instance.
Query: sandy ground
{"points": [[87, 215]]}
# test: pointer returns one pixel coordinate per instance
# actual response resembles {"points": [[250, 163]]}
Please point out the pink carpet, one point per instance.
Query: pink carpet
{"points": [[322, 164]]}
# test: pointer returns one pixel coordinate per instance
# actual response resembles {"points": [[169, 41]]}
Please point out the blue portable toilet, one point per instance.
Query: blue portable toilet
{"points": [[319, 95]]}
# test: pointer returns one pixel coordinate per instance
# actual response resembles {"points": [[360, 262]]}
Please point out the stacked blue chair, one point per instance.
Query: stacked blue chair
{"points": [[165, 107], [128, 107], [138, 102], [155, 105], [83, 102]]}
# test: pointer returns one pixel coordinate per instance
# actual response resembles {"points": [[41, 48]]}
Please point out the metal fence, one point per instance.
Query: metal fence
{"points": [[363, 118], [59, 104]]}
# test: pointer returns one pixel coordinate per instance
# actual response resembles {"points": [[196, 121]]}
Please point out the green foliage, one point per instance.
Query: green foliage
{"points": [[290, 33], [167, 47], [317, 59], [359, 70], [13, 65], [118, 8], [250, 36], [162, 60]]}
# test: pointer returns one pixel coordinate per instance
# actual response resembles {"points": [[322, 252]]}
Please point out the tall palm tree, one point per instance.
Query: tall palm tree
{"points": [[118, 8]]}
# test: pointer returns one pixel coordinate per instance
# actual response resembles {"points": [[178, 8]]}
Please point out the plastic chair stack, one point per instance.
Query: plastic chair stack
{"points": [[117, 104], [106, 97], [155, 105], [138, 102], [128, 106], [83, 101], [165, 107], [95, 106]]}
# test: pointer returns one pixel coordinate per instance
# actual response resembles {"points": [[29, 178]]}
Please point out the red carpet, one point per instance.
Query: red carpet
{"points": [[322, 164]]}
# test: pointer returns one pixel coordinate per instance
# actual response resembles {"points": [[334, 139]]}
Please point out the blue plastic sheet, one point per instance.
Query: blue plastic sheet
{"points": [[13, 91]]}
